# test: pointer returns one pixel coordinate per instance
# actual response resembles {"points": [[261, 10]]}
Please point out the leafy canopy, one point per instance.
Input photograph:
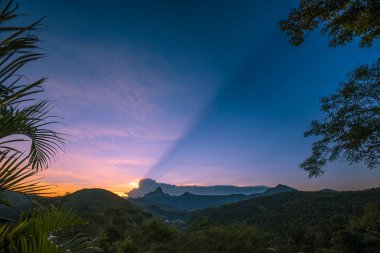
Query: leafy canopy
{"points": [[351, 123], [341, 20], [351, 126]]}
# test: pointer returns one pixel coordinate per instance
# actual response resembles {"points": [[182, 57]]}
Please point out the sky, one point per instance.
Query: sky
{"points": [[187, 92]]}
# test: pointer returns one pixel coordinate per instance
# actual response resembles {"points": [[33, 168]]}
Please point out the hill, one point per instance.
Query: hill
{"points": [[149, 185], [176, 207], [94, 200], [290, 212], [186, 201], [99, 206], [20, 203]]}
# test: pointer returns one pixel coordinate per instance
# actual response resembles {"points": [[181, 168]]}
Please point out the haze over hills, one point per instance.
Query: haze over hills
{"points": [[157, 202], [148, 185], [173, 207]]}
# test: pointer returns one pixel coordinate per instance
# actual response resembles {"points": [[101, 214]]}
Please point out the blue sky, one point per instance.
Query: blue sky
{"points": [[187, 92]]}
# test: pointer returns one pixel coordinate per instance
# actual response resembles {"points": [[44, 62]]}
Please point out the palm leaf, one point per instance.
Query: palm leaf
{"points": [[45, 227], [21, 115], [42, 244], [31, 122], [79, 243], [15, 174]]}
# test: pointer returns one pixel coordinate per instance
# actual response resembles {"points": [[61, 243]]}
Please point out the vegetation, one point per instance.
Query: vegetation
{"points": [[123, 227], [307, 221], [26, 119], [286, 222], [350, 127], [341, 20], [278, 220]]}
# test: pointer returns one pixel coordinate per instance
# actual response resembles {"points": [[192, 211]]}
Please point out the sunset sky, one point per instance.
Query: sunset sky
{"points": [[187, 92]]}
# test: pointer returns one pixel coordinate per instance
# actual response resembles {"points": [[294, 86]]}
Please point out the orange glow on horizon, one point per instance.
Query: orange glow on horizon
{"points": [[134, 184], [63, 189]]}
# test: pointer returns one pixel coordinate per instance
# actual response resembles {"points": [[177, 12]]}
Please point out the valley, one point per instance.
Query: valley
{"points": [[280, 219]]}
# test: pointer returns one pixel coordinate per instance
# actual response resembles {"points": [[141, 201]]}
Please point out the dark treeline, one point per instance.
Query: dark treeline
{"points": [[288, 222]]}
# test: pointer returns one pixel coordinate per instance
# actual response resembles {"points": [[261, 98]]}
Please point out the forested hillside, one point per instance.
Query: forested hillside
{"points": [[307, 220], [324, 221]]}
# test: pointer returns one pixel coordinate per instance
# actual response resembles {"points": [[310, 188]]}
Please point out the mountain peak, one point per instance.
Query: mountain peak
{"points": [[157, 192], [280, 188], [283, 186], [148, 185]]}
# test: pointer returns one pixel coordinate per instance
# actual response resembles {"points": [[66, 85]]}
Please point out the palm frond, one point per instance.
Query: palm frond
{"points": [[22, 115], [31, 122], [45, 228], [15, 174], [16, 50], [51, 220], [30, 244], [79, 243]]}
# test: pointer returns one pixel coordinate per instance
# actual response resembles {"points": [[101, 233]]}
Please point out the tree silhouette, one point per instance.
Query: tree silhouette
{"points": [[350, 127], [23, 118]]}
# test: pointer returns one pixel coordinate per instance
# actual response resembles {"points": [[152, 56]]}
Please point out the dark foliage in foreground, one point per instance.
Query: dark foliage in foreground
{"points": [[334, 222]]}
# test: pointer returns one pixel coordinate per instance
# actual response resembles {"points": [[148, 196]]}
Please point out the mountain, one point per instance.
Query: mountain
{"points": [[327, 190], [275, 190], [290, 212], [149, 185], [99, 207], [176, 207], [94, 200], [186, 201]]}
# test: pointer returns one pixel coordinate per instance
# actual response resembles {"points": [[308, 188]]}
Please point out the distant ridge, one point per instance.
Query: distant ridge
{"points": [[148, 185], [327, 190], [276, 190], [173, 207]]}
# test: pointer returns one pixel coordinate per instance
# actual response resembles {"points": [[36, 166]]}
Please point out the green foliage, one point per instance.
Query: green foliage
{"points": [[226, 239], [366, 227], [25, 119], [351, 124], [153, 235], [306, 221], [20, 113], [320, 222], [44, 230], [341, 20], [124, 246], [15, 174]]}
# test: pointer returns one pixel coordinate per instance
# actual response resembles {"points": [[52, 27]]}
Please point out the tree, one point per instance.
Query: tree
{"points": [[341, 20], [350, 128], [23, 118]]}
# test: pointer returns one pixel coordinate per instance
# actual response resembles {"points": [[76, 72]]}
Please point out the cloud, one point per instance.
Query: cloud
{"points": [[123, 107], [75, 171], [84, 131], [119, 98]]}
